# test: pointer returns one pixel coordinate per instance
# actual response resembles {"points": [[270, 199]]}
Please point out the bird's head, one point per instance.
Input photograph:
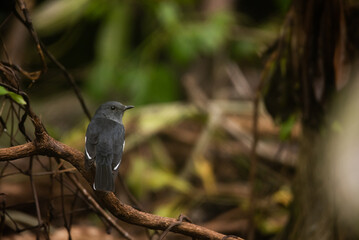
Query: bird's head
{"points": [[112, 110]]}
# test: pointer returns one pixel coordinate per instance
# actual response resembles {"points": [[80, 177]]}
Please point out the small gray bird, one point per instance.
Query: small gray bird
{"points": [[104, 143]]}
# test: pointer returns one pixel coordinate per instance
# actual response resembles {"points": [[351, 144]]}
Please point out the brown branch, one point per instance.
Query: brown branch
{"points": [[16, 152], [47, 146]]}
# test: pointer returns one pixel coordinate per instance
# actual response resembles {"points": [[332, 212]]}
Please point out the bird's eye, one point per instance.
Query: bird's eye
{"points": [[113, 107]]}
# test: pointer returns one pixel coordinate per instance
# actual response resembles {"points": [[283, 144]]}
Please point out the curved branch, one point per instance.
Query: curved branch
{"points": [[16, 152], [47, 146]]}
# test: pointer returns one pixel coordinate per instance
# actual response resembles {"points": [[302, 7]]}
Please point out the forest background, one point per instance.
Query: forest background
{"points": [[232, 125]]}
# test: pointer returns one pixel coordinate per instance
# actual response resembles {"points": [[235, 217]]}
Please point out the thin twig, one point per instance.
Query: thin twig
{"points": [[19, 169], [73, 207], [2, 217], [28, 24], [3, 169], [45, 145], [253, 170], [70, 78], [41, 49], [88, 198], [13, 221], [134, 201], [179, 221], [34, 192], [97, 207], [55, 172], [254, 160], [229, 236], [67, 226], [239, 81]]}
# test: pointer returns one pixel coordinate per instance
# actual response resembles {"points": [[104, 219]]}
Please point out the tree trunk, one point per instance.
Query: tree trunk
{"points": [[306, 68], [312, 212]]}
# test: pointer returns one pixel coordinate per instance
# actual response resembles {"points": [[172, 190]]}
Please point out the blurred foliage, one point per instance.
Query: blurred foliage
{"points": [[137, 52], [141, 47], [157, 117], [146, 175], [204, 170], [283, 196]]}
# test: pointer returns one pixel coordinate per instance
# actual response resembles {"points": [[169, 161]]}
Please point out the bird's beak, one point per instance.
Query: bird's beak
{"points": [[129, 107]]}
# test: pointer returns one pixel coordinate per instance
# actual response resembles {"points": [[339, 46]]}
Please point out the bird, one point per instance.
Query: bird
{"points": [[105, 143]]}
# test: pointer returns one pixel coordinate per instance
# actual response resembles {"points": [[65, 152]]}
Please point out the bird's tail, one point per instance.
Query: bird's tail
{"points": [[104, 178]]}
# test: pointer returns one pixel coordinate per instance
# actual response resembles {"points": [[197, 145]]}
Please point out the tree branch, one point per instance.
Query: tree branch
{"points": [[16, 152], [47, 146], [98, 208]]}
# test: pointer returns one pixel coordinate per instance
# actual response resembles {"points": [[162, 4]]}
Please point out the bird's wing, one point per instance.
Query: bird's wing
{"points": [[104, 158], [119, 146], [91, 140]]}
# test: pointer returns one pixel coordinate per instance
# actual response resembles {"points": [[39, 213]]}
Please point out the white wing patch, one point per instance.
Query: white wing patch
{"points": [[118, 164], [87, 154]]}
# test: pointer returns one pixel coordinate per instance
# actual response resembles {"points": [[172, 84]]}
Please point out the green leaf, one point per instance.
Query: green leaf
{"points": [[286, 127], [16, 97], [3, 91]]}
